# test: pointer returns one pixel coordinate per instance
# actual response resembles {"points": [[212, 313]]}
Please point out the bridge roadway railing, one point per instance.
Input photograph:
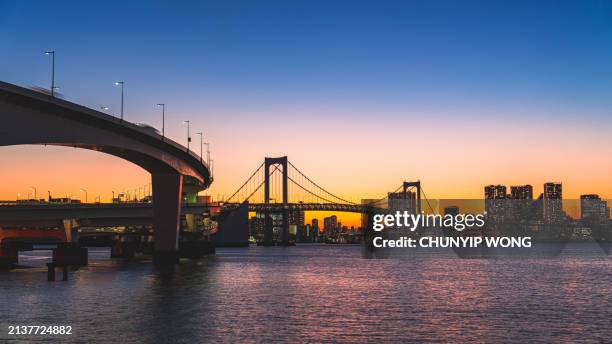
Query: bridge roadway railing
{"points": [[41, 210], [272, 207]]}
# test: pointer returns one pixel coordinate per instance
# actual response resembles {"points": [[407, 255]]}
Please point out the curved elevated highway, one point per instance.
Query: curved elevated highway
{"points": [[30, 117]]}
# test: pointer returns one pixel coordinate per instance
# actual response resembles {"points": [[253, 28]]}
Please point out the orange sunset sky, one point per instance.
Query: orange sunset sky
{"points": [[355, 159], [359, 98]]}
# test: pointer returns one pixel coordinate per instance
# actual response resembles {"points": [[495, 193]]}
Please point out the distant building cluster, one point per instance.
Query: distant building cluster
{"points": [[546, 211], [332, 231]]}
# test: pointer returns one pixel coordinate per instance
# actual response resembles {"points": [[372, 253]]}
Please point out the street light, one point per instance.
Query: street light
{"points": [[104, 108], [121, 83], [163, 106], [201, 144], [52, 53], [188, 136], [212, 170], [34, 188], [207, 153], [85, 191]]}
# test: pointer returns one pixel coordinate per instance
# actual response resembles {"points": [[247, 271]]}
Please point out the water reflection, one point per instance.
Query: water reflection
{"points": [[320, 293]]}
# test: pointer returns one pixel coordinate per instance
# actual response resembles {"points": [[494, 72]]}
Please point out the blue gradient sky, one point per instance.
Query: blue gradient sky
{"points": [[317, 79]]}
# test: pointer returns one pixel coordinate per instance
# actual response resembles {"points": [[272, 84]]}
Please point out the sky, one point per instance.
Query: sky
{"points": [[360, 95]]}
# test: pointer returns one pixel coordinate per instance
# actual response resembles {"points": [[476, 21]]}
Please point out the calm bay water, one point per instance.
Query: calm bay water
{"points": [[318, 293]]}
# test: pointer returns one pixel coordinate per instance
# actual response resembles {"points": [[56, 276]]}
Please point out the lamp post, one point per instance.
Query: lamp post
{"points": [[34, 188], [52, 53], [163, 106], [188, 136], [212, 169], [85, 191], [201, 144], [121, 83], [207, 153]]}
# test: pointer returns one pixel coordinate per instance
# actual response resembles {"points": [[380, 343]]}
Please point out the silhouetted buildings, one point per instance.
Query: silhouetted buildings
{"points": [[330, 224], [495, 202], [315, 224], [519, 206], [524, 192], [521, 201], [402, 201], [552, 203], [296, 217], [257, 225], [593, 210], [495, 192]]}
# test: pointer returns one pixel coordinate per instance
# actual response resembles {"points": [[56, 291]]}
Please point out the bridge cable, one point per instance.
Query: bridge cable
{"points": [[260, 185], [385, 197], [318, 186], [310, 192], [427, 200], [249, 179]]}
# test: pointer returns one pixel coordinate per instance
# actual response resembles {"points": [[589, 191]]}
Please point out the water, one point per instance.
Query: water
{"points": [[318, 293]]}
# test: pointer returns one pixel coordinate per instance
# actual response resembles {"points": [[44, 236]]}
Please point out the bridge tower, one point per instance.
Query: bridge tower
{"points": [[268, 230], [416, 185]]}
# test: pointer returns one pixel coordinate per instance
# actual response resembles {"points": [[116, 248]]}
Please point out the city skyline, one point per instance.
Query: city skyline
{"points": [[498, 112], [273, 171]]}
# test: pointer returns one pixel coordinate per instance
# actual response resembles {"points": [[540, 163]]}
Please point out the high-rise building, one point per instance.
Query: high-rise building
{"points": [[496, 202], [257, 224], [315, 223], [553, 206], [296, 217], [521, 200], [330, 224], [521, 192], [303, 234], [593, 209], [402, 201], [553, 191], [495, 192]]}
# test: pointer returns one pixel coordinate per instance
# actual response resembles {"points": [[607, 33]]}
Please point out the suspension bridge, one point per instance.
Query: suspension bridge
{"points": [[278, 187]]}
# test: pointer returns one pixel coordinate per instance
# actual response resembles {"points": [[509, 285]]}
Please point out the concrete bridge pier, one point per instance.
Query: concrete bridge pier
{"points": [[125, 247], [190, 220], [167, 192], [70, 253], [71, 230], [9, 255]]}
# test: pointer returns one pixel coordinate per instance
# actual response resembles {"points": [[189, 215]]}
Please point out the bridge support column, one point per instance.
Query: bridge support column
{"points": [[124, 247], [190, 219], [71, 230], [9, 255], [167, 189]]}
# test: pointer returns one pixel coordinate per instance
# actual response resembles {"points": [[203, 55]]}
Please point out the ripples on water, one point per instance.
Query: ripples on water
{"points": [[319, 293]]}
